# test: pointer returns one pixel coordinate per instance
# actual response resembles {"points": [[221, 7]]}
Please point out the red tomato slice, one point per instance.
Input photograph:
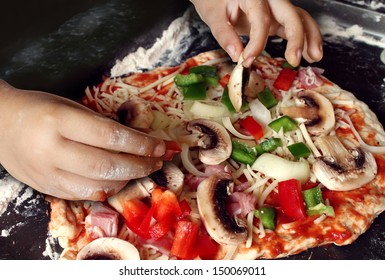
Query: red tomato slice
{"points": [[291, 200], [162, 227], [172, 148], [224, 80], [184, 240], [134, 212], [166, 204], [252, 126], [285, 79], [206, 247]]}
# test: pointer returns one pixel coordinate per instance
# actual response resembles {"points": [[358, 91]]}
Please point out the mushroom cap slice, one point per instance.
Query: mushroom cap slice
{"points": [[235, 85], [315, 109], [135, 113], [170, 176], [213, 139], [108, 248], [211, 196], [139, 188], [342, 169]]}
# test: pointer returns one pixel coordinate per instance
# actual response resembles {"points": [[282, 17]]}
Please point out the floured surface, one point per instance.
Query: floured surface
{"points": [[346, 61]]}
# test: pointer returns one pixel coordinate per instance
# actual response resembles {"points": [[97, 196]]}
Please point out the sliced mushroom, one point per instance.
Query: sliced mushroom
{"points": [[211, 197], [108, 248], [315, 110], [235, 85], [135, 113], [170, 176], [212, 138], [342, 169], [139, 189], [255, 84]]}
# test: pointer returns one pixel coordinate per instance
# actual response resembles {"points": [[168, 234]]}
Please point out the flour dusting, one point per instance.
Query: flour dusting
{"points": [[332, 30], [146, 58], [168, 49], [9, 190]]}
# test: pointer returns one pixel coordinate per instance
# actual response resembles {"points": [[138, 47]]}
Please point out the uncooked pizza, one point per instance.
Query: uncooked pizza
{"points": [[264, 162]]}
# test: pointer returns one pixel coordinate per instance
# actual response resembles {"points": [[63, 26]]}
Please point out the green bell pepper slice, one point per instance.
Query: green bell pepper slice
{"points": [[320, 209], [209, 74], [267, 98], [284, 122], [187, 80], [299, 150], [312, 197], [194, 91], [243, 153], [266, 216], [269, 145]]}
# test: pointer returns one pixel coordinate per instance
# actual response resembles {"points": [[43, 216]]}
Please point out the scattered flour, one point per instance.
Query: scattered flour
{"points": [[9, 190], [146, 58], [330, 28], [167, 49], [374, 5]]}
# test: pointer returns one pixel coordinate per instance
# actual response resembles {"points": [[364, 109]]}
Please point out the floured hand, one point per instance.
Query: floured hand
{"points": [[63, 149], [259, 19]]}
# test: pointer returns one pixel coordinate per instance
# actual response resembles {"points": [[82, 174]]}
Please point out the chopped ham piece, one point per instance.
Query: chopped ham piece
{"points": [[102, 221], [241, 202], [310, 77]]}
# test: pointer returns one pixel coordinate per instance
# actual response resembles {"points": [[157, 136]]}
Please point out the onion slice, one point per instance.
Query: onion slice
{"points": [[186, 160], [229, 126], [260, 113]]}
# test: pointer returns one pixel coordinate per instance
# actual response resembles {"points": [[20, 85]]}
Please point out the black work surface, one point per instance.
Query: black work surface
{"points": [[66, 53]]}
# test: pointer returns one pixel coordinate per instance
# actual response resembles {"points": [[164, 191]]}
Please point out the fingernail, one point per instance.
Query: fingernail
{"points": [[231, 51], [159, 150], [158, 164], [247, 63], [298, 54]]}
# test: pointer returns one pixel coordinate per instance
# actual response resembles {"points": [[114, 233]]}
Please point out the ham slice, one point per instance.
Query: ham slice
{"points": [[102, 221]]}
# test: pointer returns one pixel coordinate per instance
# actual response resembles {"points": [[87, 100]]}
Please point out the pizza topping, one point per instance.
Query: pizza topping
{"points": [[299, 150], [235, 85], [267, 98], [315, 204], [108, 248], [255, 84], [340, 169], [291, 200], [268, 164], [285, 123], [285, 79], [136, 189], [259, 112], [243, 153], [315, 110], [252, 126], [213, 140], [310, 77], [102, 221], [212, 194], [135, 113], [170, 176], [267, 216]]}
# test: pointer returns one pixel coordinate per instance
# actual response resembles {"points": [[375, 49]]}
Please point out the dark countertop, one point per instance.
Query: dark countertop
{"points": [[64, 48]]}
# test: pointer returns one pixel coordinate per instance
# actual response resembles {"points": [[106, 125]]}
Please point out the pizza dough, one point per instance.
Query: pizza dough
{"points": [[227, 173]]}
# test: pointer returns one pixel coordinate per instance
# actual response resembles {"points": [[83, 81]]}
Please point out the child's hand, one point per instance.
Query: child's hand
{"points": [[258, 19], [65, 150]]}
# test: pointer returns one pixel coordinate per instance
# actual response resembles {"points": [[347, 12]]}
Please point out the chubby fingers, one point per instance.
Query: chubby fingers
{"points": [[258, 15], [99, 164], [219, 16], [313, 50], [287, 16], [94, 130]]}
